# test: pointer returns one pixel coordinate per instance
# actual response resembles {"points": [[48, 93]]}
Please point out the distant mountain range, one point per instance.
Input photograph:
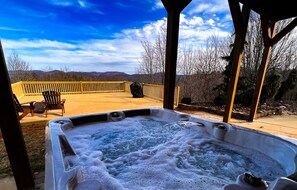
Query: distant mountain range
{"points": [[110, 75], [102, 74], [88, 76], [95, 74]]}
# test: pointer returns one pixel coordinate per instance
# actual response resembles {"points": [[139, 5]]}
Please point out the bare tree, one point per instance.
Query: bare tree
{"points": [[283, 59], [199, 68], [283, 56], [47, 68], [210, 65], [147, 65], [65, 68], [160, 47], [153, 58], [284, 52], [19, 70], [253, 49], [187, 68], [64, 75]]}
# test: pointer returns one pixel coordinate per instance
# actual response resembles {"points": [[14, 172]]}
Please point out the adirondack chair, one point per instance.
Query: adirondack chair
{"points": [[52, 100], [24, 108]]}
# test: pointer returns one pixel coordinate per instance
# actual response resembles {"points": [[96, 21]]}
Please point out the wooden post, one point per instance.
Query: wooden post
{"points": [[268, 33], [173, 7], [260, 82], [11, 132], [81, 87], [284, 31], [240, 21], [177, 95]]}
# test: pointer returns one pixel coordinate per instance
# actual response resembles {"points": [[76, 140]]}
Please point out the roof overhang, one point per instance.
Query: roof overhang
{"points": [[273, 10]]}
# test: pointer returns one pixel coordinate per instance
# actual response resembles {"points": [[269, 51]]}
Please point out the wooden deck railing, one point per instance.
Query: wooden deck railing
{"points": [[17, 89], [36, 88], [79, 87]]}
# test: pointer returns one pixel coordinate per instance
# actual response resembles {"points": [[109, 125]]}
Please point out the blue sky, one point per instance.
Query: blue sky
{"points": [[94, 35]]}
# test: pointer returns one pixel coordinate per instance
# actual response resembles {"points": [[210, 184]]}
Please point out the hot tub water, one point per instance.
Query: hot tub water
{"points": [[161, 149], [147, 153]]}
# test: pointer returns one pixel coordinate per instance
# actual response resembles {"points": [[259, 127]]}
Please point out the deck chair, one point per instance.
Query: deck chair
{"points": [[52, 100], [24, 108]]}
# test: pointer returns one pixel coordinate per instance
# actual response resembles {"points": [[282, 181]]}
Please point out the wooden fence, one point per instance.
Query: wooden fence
{"points": [[21, 89]]}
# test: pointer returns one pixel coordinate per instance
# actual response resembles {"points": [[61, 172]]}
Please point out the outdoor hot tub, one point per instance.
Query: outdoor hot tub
{"points": [[161, 149]]}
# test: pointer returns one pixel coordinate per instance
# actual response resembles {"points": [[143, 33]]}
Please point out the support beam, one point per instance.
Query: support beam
{"points": [[236, 60], [174, 8], [11, 132], [236, 16], [261, 74], [265, 31], [284, 31]]}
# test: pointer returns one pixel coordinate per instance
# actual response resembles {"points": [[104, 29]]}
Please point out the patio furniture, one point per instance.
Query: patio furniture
{"points": [[24, 108], [52, 100]]}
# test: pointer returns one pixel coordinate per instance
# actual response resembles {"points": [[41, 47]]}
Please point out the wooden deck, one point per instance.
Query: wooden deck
{"points": [[78, 104], [285, 125]]}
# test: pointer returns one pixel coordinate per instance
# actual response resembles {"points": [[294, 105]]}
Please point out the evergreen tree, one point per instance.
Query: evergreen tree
{"points": [[287, 85], [271, 85], [222, 88], [244, 88]]}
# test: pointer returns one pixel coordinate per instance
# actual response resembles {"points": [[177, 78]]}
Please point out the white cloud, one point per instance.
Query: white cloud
{"points": [[81, 3], [190, 27], [94, 53], [63, 3], [13, 29], [149, 31], [211, 22], [158, 4], [203, 7], [227, 17], [210, 6], [196, 29], [25, 44], [122, 5], [85, 4], [196, 21], [122, 53]]}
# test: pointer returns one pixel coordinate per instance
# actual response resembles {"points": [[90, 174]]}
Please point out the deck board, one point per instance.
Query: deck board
{"points": [[78, 104]]}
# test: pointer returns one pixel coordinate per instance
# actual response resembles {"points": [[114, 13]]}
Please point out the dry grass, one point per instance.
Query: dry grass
{"points": [[34, 139]]}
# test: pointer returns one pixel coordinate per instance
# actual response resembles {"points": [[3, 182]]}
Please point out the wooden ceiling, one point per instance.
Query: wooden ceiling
{"points": [[274, 10]]}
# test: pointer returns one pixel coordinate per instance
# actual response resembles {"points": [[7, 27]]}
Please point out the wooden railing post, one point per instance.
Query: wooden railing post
{"points": [[22, 88], [177, 95], [81, 87]]}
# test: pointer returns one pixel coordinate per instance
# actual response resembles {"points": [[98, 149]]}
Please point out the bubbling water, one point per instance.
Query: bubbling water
{"points": [[151, 154]]}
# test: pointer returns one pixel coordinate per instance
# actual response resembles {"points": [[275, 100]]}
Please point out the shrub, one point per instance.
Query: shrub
{"points": [[220, 100], [287, 85], [186, 100]]}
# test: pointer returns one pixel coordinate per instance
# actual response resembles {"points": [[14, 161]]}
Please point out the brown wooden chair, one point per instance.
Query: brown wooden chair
{"points": [[52, 100], [24, 108]]}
